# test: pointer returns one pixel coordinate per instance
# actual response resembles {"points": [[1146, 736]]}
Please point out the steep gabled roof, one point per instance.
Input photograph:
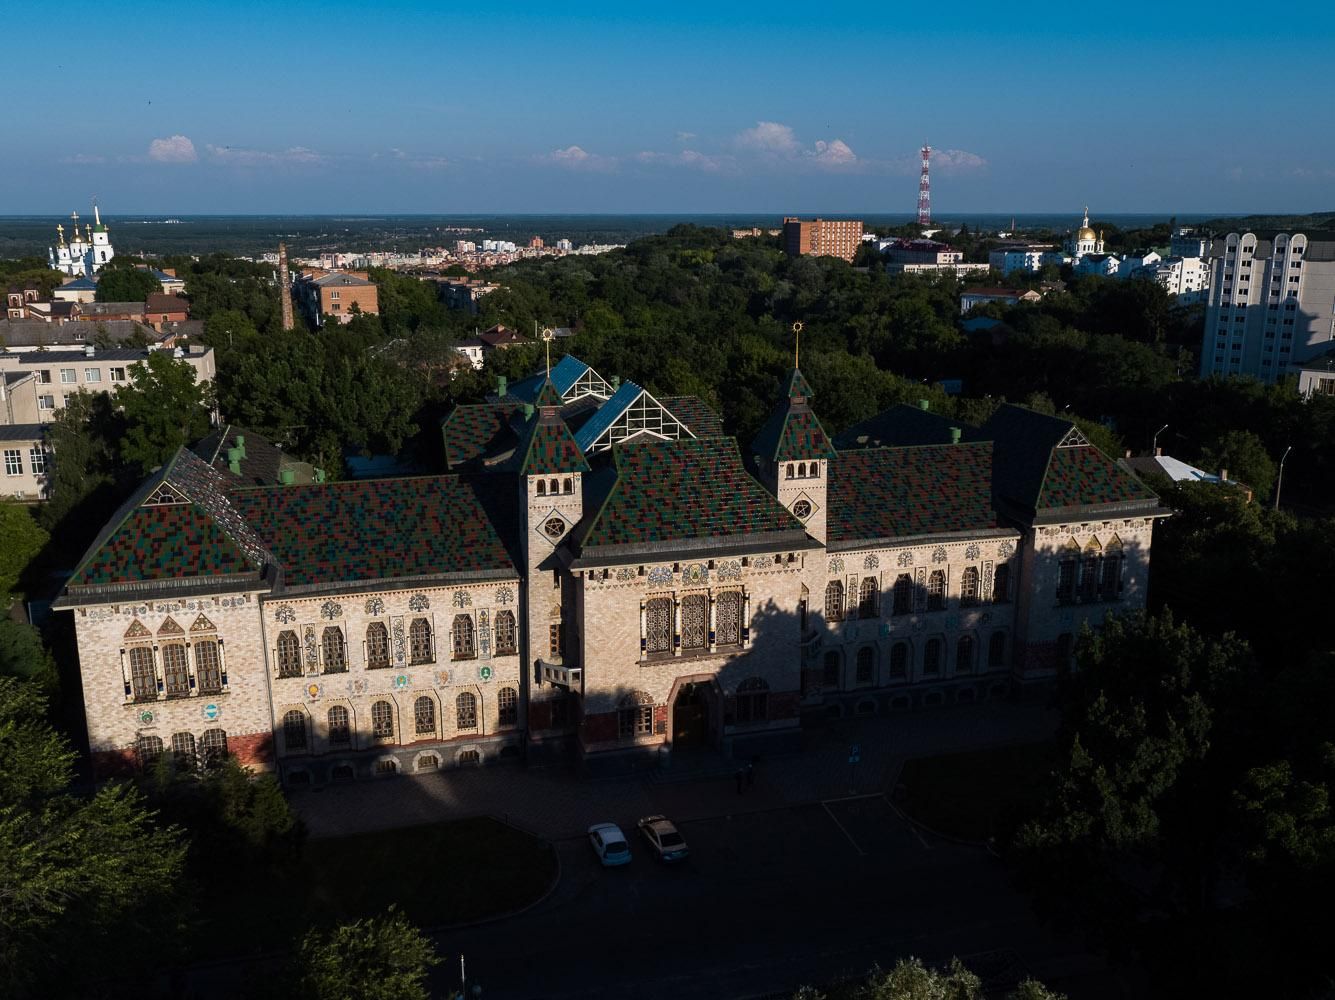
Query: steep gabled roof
{"points": [[572, 378], [630, 412], [546, 445], [686, 492], [901, 425], [878, 493], [698, 416], [792, 431], [475, 430]]}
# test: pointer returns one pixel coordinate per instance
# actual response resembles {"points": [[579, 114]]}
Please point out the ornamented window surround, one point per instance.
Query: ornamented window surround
{"points": [[677, 648]]}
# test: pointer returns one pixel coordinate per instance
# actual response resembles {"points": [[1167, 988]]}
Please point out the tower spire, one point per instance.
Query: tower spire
{"points": [[97, 219], [797, 344], [548, 334]]}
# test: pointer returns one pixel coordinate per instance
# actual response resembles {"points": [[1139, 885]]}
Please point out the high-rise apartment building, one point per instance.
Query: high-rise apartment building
{"points": [[822, 237], [1271, 304]]}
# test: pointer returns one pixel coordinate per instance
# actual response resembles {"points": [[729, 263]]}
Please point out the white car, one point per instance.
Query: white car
{"points": [[609, 843], [663, 837]]}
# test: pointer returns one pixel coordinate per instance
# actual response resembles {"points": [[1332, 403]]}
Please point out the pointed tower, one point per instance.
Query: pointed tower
{"points": [[550, 468], [792, 454], [101, 240]]}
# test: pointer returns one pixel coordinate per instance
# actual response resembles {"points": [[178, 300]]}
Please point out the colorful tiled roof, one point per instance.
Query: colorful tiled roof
{"points": [[162, 542], [547, 446], [797, 385], [473, 430], [698, 416], [375, 529], [901, 425], [1080, 476], [685, 490], [548, 396], [899, 492], [792, 432]]}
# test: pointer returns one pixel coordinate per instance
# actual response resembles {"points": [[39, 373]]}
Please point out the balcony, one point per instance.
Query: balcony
{"points": [[570, 678]]}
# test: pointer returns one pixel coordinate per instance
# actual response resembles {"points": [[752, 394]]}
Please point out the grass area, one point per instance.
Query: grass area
{"points": [[441, 873], [974, 795]]}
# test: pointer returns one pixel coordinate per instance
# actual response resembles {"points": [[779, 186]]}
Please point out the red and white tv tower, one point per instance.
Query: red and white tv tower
{"points": [[925, 190]]}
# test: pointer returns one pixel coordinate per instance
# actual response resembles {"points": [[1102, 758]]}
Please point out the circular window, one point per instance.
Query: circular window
{"points": [[802, 509], [554, 527]]}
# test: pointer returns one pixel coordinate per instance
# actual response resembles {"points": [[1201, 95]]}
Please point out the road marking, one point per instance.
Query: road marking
{"points": [[842, 830]]}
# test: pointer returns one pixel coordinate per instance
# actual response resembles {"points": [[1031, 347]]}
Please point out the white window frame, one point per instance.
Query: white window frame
{"points": [[117, 374], [92, 374], [13, 461], [46, 402], [37, 461], [73, 376]]}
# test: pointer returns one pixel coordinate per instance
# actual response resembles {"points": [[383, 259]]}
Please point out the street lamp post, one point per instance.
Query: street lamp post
{"points": [[1279, 481], [1154, 442]]}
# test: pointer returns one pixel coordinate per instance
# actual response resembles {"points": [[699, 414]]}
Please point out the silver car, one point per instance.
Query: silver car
{"points": [[610, 844], [667, 843]]}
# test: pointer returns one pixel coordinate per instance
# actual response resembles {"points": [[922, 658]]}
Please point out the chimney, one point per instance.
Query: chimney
{"points": [[502, 384], [955, 435], [528, 411], [1158, 452], [287, 477], [241, 445], [1128, 453], [284, 286], [616, 382], [89, 350], [924, 404], [1223, 475]]}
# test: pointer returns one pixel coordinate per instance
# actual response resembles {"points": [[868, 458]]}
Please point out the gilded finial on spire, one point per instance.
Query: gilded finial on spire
{"points": [[547, 336], [797, 343]]}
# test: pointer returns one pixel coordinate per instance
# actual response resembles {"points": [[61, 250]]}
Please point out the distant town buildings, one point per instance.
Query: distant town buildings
{"points": [[341, 294], [822, 237], [924, 257], [971, 298], [1084, 240], [1271, 304], [1030, 257], [86, 253], [464, 293]]}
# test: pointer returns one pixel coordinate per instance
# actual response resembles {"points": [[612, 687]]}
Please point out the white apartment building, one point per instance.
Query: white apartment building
{"points": [[1031, 258], [24, 461], [1271, 304], [1187, 279]]}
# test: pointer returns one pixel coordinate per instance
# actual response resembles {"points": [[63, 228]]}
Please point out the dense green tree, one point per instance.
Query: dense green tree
{"points": [[123, 281], [163, 408], [21, 538], [1245, 457], [910, 979], [82, 441], [382, 958]]}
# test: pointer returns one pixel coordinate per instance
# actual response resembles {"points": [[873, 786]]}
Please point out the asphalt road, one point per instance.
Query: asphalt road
{"points": [[767, 902]]}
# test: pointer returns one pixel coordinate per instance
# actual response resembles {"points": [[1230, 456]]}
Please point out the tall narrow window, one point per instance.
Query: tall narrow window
{"points": [[340, 729], [464, 648], [752, 700], [866, 668], [1001, 584], [420, 649], [728, 618], [183, 749], [1089, 577], [969, 586], [505, 633], [996, 650], [208, 666], [635, 716], [335, 650], [834, 601], [382, 720], [1112, 577], [465, 711], [831, 670], [294, 730], [424, 716], [147, 750], [213, 747], [556, 640], [143, 681], [867, 597], [1066, 573], [377, 646], [694, 630], [931, 658], [658, 625], [507, 700], [175, 672], [903, 594], [936, 590], [899, 660], [289, 654], [964, 655]]}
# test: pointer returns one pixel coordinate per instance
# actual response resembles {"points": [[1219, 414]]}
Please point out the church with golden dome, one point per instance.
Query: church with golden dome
{"points": [[1084, 240]]}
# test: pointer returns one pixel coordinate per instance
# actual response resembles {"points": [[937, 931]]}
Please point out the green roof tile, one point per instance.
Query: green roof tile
{"points": [[472, 430], [163, 542], [1083, 476]]}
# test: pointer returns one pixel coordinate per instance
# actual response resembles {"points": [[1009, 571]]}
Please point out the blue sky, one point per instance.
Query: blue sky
{"points": [[814, 107]]}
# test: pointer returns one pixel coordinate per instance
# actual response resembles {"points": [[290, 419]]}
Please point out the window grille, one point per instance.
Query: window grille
{"points": [[419, 642], [208, 666], [335, 650], [464, 648], [505, 633], [143, 680], [508, 702], [424, 716], [289, 654], [936, 590], [175, 672], [465, 711], [834, 601], [728, 616], [382, 720], [294, 730], [658, 625], [694, 630], [340, 729]]}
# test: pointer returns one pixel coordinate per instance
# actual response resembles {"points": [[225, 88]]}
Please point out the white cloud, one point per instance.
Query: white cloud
{"points": [[686, 158], [83, 158], [685, 136], [768, 137], [416, 161], [957, 160], [835, 153], [173, 149], [778, 143], [237, 156], [576, 158]]}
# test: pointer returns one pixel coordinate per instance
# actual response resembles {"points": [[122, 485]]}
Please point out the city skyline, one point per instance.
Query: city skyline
{"points": [[690, 109]]}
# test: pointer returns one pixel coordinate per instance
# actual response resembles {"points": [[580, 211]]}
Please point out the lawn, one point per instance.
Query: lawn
{"points": [[441, 873], [974, 795]]}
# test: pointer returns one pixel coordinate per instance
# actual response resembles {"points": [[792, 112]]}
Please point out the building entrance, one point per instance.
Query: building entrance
{"points": [[690, 716]]}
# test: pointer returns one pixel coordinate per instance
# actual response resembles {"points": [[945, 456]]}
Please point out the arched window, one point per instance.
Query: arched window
{"points": [[143, 681], [936, 590], [752, 700], [1066, 572], [931, 657], [294, 730], [377, 646], [340, 729], [568, 485], [834, 601], [969, 586], [904, 594], [208, 666], [728, 618], [658, 625], [420, 649], [867, 597], [542, 487], [1111, 582], [1089, 575], [183, 749], [790, 471], [694, 624], [507, 700], [147, 750], [832, 669], [213, 747], [334, 649], [465, 711], [289, 654], [505, 633], [424, 716], [382, 720], [996, 650], [1001, 584], [964, 655], [552, 487], [464, 649], [801, 470], [174, 670], [815, 470], [866, 667], [899, 660], [635, 716]]}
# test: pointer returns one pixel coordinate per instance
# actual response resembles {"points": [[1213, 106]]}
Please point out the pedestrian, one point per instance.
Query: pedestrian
{"points": [[750, 774], [741, 776]]}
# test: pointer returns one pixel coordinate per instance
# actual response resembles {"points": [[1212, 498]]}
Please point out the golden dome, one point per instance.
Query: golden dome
{"points": [[1085, 233]]}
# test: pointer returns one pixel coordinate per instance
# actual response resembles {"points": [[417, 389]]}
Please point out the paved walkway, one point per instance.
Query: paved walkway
{"points": [[557, 804]]}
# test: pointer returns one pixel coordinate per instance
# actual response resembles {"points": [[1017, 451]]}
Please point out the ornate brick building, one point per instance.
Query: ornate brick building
{"points": [[600, 571]]}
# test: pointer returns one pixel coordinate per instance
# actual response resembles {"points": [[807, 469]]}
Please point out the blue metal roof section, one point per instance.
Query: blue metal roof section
{"points": [[565, 373], [607, 414]]}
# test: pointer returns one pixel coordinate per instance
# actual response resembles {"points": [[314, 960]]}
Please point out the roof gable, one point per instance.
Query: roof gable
{"points": [[547, 446], [473, 430], [631, 412]]}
